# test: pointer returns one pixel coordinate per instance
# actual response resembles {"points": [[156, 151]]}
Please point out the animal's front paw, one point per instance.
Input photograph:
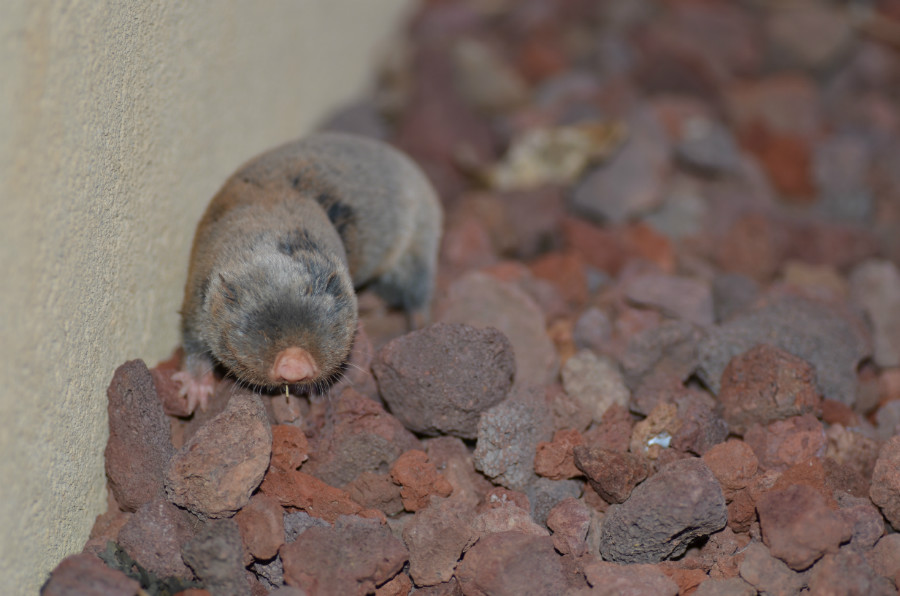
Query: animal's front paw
{"points": [[196, 391]]}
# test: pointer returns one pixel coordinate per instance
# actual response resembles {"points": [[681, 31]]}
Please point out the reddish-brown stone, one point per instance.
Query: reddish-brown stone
{"points": [[289, 447], [261, 523], [298, 490], [419, 480], [555, 459]]}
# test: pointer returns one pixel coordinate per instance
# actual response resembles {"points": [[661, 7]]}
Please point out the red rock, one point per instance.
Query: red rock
{"points": [[567, 412], [595, 382], [289, 447], [401, 585], [866, 520], [767, 574], [798, 527], [418, 479], [885, 557], [785, 443], [602, 248], [435, 537], [297, 490], [512, 563], [466, 244], [500, 497], [733, 586], [834, 412], [139, 446], [733, 463], [754, 246], [505, 518], [454, 460], [570, 521], [261, 523], [480, 300], [359, 435], [674, 296], [555, 459], [652, 435], [844, 480], [376, 491], [106, 526], [787, 159], [154, 535], [699, 426], [885, 489], [783, 103], [613, 431], [628, 580], [215, 472], [851, 448], [86, 575], [349, 559], [644, 242], [741, 511], [566, 271], [723, 553], [766, 384], [847, 572], [687, 580], [810, 473], [612, 474]]}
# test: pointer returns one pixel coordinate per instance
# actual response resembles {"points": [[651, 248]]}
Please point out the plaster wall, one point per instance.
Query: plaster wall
{"points": [[119, 119]]}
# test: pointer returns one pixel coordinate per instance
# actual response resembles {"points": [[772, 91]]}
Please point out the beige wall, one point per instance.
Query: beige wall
{"points": [[118, 121]]}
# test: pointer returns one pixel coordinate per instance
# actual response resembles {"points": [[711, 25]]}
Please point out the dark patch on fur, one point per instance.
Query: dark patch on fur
{"points": [[295, 242], [340, 214], [333, 286], [229, 291]]}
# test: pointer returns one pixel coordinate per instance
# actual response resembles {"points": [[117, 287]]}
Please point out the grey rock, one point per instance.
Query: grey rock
{"points": [[875, 287], [595, 382], [664, 514], [215, 555]]}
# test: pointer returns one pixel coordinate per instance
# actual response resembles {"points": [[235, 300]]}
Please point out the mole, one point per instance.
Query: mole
{"points": [[283, 247]]}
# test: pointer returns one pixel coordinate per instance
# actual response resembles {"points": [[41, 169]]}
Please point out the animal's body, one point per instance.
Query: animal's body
{"points": [[282, 247]]}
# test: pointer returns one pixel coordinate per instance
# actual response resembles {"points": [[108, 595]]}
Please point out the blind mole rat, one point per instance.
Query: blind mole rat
{"points": [[281, 248]]}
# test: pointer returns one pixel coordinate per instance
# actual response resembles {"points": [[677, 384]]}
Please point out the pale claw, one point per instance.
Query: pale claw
{"points": [[195, 391]]}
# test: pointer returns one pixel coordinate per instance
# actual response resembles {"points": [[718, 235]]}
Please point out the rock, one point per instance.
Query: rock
{"points": [[84, 574], [767, 574], [798, 527], [885, 489], [595, 382], [680, 503], [154, 535], [631, 182], [612, 474], [261, 523], [613, 431], [733, 586], [295, 489], [435, 537], [481, 300], [766, 384], [401, 585], [784, 103], [353, 557], [652, 435], [866, 521], [505, 517], [376, 491], [569, 521], [875, 287], [441, 378], [455, 461], [140, 444], [484, 79], [419, 480], [885, 557], [785, 443], [508, 435], [215, 472], [545, 494], [847, 572], [708, 146], [732, 293], [289, 447], [674, 296], [699, 426], [511, 563], [215, 556], [734, 465], [609, 579], [809, 34], [841, 165], [592, 330], [300, 521], [271, 575], [812, 331], [566, 272], [555, 459], [359, 436]]}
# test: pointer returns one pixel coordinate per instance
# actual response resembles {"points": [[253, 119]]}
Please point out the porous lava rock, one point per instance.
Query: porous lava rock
{"points": [[885, 489], [440, 379], [681, 502], [511, 564]]}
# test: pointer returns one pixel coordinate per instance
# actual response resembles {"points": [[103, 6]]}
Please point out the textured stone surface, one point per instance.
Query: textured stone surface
{"points": [[766, 384], [295, 489], [680, 503], [139, 445], [733, 463], [847, 572], [512, 563], [352, 557], [86, 575], [435, 537], [768, 574], [289, 447], [885, 489], [612, 474], [215, 472], [555, 459], [261, 523], [419, 480], [595, 382], [360, 436], [733, 586], [215, 556], [610, 579], [674, 296], [440, 379], [508, 435], [376, 491], [875, 286], [154, 536], [798, 527], [830, 341], [785, 443], [481, 300], [570, 521]]}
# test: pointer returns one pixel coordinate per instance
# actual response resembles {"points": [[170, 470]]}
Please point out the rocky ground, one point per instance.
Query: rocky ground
{"points": [[666, 357]]}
